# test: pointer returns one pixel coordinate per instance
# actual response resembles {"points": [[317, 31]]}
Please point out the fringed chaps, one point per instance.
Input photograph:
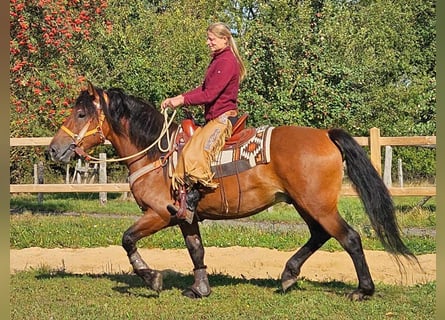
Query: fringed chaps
{"points": [[196, 156]]}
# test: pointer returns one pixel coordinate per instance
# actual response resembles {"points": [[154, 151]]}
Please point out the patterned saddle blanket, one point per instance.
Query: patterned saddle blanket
{"points": [[249, 150]]}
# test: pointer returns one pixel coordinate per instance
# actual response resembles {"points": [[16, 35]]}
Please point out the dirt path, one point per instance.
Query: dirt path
{"points": [[235, 261]]}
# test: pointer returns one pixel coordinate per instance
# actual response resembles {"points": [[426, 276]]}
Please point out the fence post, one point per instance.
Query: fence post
{"points": [[374, 145], [400, 173], [387, 179], [38, 179], [67, 174], [102, 177], [77, 171]]}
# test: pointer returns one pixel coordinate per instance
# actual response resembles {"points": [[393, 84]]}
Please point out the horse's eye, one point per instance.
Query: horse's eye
{"points": [[81, 114]]}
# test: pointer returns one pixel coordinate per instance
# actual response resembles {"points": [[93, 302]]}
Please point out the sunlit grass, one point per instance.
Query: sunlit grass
{"points": [[49, 294], [351, 208], [49, 231], [44, 225], [74, 202]]}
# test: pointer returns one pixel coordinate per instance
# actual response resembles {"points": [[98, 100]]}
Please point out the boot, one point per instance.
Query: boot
{"points": [[188, 201], [183, 212]]}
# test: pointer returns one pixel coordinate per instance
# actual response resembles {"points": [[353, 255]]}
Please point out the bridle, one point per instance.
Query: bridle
{"points": [[78, 138], [84, 132]]}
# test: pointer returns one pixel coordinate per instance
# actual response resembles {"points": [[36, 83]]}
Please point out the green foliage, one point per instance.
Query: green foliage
{"points": [[43, 74], [418, 163], [349, 64]]}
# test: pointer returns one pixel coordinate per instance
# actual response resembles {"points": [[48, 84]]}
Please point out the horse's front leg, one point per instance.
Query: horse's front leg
{"points": [[192, 236], [148, 224]]}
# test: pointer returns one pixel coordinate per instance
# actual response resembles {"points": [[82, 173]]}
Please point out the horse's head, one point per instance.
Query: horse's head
{"points": [[82, 130]]}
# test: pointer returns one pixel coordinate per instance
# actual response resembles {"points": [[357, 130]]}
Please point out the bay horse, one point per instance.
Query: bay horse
{"points": [[305, 170]]}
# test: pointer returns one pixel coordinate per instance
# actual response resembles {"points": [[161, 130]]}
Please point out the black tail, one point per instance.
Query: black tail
{"points": [[372, 191]]}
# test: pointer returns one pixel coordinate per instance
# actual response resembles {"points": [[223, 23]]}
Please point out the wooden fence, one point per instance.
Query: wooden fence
{"points": [[375, 142]]}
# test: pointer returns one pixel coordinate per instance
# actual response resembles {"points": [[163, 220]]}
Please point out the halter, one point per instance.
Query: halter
{"points": [[78, 137]]}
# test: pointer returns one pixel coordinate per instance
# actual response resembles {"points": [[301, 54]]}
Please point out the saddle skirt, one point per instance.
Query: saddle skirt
{"points": [[246, 149]]}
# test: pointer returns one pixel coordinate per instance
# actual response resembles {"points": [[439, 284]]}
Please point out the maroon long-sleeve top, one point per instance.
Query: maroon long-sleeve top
{"points": [[219, 91]]}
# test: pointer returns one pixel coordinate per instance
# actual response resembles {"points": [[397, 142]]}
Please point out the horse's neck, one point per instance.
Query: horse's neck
{"points": [[126, 150]]}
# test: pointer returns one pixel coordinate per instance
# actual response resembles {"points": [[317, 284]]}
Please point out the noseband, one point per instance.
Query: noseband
{"points": [[84, 132]]}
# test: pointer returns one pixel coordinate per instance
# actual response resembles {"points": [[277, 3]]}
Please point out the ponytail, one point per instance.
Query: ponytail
{"points": [[222, 30]]}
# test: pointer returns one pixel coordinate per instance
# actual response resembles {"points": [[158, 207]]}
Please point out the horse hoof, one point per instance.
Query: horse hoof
{"points": [[288, 283], [358, 295], [157, 282], [189, 293], [287, 280], [152, 278], [197, 292]]}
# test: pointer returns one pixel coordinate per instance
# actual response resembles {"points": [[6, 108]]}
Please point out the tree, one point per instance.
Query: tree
{"points": [[331, 63], [43, 73]]}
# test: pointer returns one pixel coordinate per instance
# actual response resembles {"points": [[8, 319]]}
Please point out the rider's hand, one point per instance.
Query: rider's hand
{"points": [[166, 104], [173, 102]]}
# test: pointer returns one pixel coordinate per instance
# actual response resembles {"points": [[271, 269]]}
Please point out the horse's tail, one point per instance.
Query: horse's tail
{"points": [[372, 191]]}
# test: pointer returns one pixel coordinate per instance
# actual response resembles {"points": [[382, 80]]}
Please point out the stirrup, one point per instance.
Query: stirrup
{"points": [[174, 211], [183, 211]]}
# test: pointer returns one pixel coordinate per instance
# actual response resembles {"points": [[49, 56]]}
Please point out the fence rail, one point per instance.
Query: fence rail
{"points": [[375, 142], [125, 187]]}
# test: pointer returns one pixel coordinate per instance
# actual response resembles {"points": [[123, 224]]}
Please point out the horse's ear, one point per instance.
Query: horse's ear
{"points": [[93, 92], [91, 89]]}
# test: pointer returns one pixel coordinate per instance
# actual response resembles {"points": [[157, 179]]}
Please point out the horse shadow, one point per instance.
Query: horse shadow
{"points": [[131, 284]]}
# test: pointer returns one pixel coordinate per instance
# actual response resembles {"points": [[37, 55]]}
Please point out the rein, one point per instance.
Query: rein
{"points": [[78, 138]]}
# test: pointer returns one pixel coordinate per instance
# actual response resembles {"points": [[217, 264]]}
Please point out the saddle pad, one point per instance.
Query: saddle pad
{"points": [[240, 157]]}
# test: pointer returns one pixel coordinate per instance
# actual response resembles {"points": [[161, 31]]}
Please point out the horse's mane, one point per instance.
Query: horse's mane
{"points": [[144, 121], [127, 115]]}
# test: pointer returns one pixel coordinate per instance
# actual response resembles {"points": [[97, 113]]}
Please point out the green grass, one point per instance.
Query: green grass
{"points": [[74, 202], [46, 294], [350, 208], [52, 231], [53, 294], [94, 230]]}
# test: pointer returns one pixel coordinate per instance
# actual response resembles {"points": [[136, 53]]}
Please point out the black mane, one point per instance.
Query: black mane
{"points": [[145, 122]]}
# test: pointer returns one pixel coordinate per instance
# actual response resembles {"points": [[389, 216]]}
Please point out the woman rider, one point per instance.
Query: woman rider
{"points": [[218, 93]]}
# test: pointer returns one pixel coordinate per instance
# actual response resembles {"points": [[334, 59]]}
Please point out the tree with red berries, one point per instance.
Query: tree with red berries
{"points": [[44, 74]]}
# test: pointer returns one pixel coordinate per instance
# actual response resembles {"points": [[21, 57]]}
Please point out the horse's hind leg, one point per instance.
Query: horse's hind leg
{"points": [[350, 240], [192, 236], [332, 226], [293, 266]]}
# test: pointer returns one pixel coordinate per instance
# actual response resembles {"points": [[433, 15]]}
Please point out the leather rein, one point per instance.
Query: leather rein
{"points": [[84, 132]]}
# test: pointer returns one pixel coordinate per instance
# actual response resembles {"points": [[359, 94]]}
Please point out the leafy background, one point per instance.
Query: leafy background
{"points": [[334, 63]]}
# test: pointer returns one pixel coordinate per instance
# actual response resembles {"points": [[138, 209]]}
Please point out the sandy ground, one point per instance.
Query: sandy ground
{"points": [[249, 263]]}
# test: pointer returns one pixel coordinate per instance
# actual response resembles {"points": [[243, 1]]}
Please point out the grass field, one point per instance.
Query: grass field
{"points": [[55, 294], [52, 224], [43, 294]]}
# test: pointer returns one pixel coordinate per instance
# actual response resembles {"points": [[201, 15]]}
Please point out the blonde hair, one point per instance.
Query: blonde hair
{"points": [[220, 30]]}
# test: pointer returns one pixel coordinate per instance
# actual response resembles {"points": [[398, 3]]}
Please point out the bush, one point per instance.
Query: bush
{"points": [[349, 64]]}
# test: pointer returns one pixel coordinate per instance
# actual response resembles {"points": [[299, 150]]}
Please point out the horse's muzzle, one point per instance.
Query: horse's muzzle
{"points": [[61, 154]]}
